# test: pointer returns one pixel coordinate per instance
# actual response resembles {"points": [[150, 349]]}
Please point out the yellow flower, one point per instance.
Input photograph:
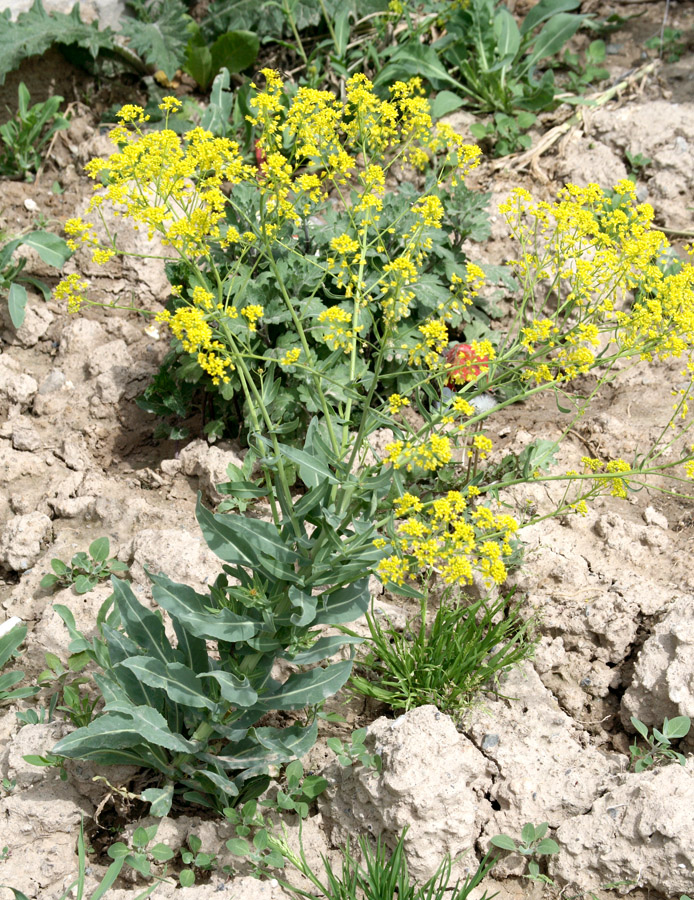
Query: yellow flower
{"points": [[396, 403], [251, 314], [290, 356], [71, 289]]}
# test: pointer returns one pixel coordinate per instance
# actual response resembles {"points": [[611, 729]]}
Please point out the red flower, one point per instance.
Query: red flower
{"points": [[259, 155], [464, 364]]}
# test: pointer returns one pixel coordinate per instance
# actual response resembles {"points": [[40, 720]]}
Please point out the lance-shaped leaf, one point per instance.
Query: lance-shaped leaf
{"points": [[142, 625], [178, 681], [312, 470], [235, 690], [107, 732], [323, 648], [152, 727], [268, 747], [242, 541], [343, 605], [307, 688], [188, 607]]}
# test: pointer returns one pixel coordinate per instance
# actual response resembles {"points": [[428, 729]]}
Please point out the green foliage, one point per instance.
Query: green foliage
{"points": [[9, 649], [533, 843], [380, 875], [193, 717], [668, 44], [86, 570], [659, 743], [505, 133], [36, 30], [194, 856], [62, 685], [638, 163], [53, 251], [496, 60], [23, 137], [464, 651], [355, 751], [233, 51], [585, 69], [159, 33]]}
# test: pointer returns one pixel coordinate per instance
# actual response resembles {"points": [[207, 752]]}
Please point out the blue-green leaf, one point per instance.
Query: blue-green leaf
{"points": [[343, 605], [324, 648], [151, 726], [17, 303], [235, 690], [187, 605], [160, 798], [142, 625], [307, 688], [178, 681]]}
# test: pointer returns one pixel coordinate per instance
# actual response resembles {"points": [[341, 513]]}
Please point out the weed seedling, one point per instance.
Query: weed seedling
{"points": [[85, 570], [23, 138], [533, 843], [659, 743]]}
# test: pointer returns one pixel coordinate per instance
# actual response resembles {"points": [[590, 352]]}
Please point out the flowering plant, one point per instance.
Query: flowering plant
{"points": [[344, 314]]}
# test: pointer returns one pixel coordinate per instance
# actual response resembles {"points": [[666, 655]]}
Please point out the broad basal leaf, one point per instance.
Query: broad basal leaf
{"points": [[178, 681], [307, 688], [161, 42], [36, 30]]}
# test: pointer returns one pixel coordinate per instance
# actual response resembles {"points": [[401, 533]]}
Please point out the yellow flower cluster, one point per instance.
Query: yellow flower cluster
{"points": [[432, 453], [71, 290], [335, 335], [613, 273], [616, 486], [291, 356], [449, 536], [396, 403], [252, 313], [190, 326], [82, 233]]}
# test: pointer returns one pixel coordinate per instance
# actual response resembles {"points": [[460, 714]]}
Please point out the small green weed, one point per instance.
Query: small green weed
{"points": [[463, 652], [505, 133], [355, 751], [533, 843], [194, 857], [668, 44], [659, 743], [24, 136], [586, 69], [86, 570], [637, 164], [78, 707]]}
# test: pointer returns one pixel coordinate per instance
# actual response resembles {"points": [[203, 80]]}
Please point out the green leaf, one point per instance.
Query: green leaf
{"points": [[544, 10], [640, 727], [323, 648], [16, 304], [18, 895], [414, 58], [242, 541], [107, 732], [547, 846], [198, 58], [161, 43], [344, 604], [160, 852], [191, 609], [36, 30], [528, 833], [218, 113], [235, 690], [235, 51], [161, 800], [10, 642], [186, 877], [238, 846], [508, 37], [445, 102], [503, 842], [141, 624], [52, 249], [307, 688], [99, 549], [677, 727], [85, 583], [178, 681], [311, 470], [553, 37]]}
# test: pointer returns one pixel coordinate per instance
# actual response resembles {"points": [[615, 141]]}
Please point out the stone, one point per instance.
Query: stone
{"points": [[433, 780], [641, 830], [209, 465], [15, 385], [663, 680], [23, 541]]}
